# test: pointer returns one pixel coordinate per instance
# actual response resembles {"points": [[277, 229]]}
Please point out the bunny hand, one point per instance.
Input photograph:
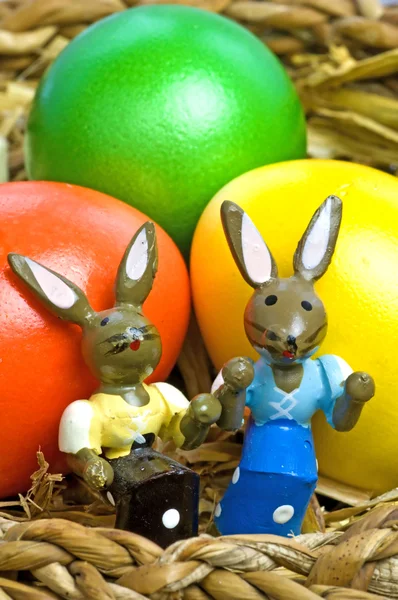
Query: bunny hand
{"points": [[238, 373], [205, 409], [98, 473], [360, 387], [236, 376], [224, 407]]}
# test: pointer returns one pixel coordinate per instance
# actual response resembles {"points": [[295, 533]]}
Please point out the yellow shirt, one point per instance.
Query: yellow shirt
{"points": [[107, 423]]}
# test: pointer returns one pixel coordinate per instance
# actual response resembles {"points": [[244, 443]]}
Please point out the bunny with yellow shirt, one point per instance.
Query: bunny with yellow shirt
{"points": [[108, 437]]}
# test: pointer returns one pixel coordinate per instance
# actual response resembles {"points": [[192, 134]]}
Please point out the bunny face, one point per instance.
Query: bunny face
{"points": [[120, 346], [285, 320]]}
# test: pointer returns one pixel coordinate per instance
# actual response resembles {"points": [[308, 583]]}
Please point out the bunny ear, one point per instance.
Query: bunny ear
{"points": [[59, 294], [138, 267], [315, 249], [250, 252]]}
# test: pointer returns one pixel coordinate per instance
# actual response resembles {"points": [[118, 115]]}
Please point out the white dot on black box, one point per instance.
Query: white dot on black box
{"points": [[171, 518]]}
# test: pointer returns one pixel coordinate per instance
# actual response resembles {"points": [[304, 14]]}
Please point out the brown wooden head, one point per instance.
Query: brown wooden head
{"points": [[120, 345], [285, 320]]}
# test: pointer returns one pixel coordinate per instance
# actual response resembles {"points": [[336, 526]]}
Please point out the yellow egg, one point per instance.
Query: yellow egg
{"points": [[360, 291]]}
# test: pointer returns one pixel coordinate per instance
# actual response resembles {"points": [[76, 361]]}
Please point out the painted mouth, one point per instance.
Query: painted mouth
{"points": [[287, 354], [131, 338]]}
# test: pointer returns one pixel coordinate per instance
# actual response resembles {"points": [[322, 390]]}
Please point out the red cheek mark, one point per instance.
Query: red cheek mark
{"points": [[135, 345]]}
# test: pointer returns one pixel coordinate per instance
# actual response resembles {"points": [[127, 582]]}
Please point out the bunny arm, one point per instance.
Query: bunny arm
{"points": [[96, 471], [190, 422], [229, 388], [359, 388], [77, 431], [224, 406]]}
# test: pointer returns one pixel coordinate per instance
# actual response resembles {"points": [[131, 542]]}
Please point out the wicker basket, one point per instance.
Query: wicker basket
{"points": [[343, 57], [62, 559]]}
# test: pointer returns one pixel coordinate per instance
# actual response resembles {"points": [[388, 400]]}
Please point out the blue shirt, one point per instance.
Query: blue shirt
{"points": [[322, 384]]}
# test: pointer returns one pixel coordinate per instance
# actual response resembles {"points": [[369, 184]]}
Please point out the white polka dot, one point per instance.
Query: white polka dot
{"points": [[218, 510], [171, 518], [110, 498], [283, 514], [236, 475]]}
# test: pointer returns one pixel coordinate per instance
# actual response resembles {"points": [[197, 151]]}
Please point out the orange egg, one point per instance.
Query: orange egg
{"points": [[82, 234]]}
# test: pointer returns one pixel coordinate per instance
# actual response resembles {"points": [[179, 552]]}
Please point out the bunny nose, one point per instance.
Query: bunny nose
{"points": [[291, 340]]}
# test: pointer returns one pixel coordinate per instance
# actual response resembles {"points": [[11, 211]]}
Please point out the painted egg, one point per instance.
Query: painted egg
{"points": [[160, 106], [360, 292], [82, 235]]}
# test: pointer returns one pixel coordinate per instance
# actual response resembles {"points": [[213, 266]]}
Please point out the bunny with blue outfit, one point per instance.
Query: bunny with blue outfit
{"points": [[285, 322], [277, 474]]}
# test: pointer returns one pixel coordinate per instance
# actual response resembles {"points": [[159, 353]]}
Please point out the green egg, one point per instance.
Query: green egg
{"points": [[161, 106]]}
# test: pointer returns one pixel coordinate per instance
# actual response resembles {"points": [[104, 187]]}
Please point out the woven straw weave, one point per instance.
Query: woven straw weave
{"points": [[67, 560]]}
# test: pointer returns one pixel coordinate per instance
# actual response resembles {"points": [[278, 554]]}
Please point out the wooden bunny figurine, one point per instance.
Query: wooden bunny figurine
{"points": [[154, 495], [285, 321]]}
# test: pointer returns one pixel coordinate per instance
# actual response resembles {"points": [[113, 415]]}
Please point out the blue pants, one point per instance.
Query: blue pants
{"points": [[271, 488]]}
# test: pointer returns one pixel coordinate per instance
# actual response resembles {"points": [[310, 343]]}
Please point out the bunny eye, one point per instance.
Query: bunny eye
{"points": [[306, 305], [104, 321], [270, 300]]}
